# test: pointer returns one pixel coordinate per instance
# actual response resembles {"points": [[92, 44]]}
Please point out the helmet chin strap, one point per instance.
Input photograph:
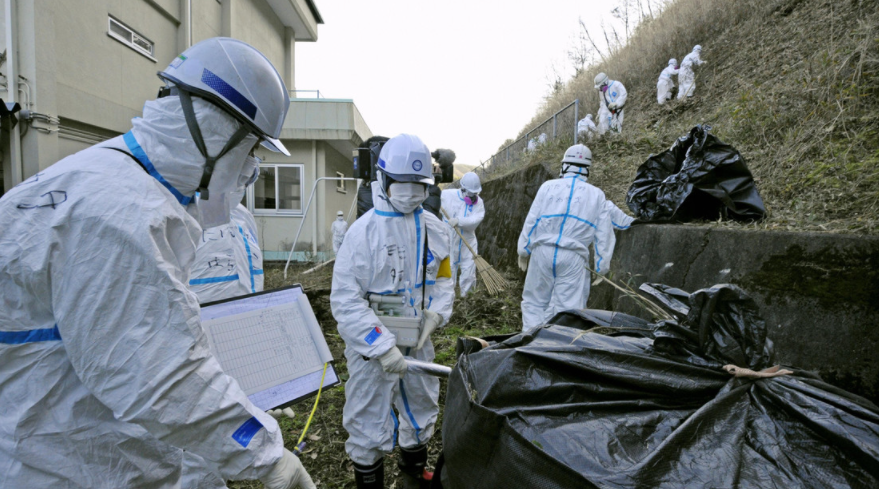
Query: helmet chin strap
{"points": [[570, 168], [210, 161]]}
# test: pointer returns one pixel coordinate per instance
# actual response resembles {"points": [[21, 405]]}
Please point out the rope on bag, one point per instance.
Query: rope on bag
{"points": [[766, 373]]}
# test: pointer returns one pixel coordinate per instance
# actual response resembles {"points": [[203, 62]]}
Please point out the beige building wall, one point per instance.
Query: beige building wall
{"points": [[89, 85]]}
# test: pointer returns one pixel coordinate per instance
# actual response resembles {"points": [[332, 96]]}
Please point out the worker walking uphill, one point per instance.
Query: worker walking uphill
{"points": [[567, 215], [612, 97], [105, 371], [665, 83], [340, 227], [686, 76], [228, 261], [465, 211], [395, 252]]}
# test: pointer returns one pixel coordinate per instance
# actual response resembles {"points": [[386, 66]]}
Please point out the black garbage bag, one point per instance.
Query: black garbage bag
{"points": [[649, 405], [700, 177]]}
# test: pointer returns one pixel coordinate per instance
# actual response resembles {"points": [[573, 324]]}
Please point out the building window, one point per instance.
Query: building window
{"points": [[128, 36], [341, 185], [278, 190]]}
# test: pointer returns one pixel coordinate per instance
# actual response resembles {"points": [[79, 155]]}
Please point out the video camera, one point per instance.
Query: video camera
{"points": [[366, 160]]}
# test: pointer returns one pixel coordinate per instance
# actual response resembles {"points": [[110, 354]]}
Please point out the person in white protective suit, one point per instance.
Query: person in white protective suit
{"points": [[395, 249], [586, 128], [665, 82], [612, 101], [105, 371], [228, 261], [567, 215], [465, 211], [339, 228], [686, 75]]}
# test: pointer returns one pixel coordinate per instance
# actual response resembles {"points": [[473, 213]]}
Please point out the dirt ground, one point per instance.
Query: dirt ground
{"points": [[324, 455]]}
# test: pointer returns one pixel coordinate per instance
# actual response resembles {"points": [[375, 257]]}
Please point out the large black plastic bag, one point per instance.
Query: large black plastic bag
{"points": [[700, 177], [650, 406]]}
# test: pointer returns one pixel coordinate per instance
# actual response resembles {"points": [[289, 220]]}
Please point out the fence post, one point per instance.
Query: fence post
{"points": [[576, 118], [555, 123]]}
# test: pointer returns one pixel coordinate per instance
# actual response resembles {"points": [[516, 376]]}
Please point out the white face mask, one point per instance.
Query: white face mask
{"points": [[407, 196], [217, 210]]}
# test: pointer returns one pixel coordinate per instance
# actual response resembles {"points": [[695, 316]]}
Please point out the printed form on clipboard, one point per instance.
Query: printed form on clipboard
{"points": [[271, 343]]}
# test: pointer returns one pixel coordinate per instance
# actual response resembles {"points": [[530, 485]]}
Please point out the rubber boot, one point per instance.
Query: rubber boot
{"points": [[413, 465], [370, 476]]}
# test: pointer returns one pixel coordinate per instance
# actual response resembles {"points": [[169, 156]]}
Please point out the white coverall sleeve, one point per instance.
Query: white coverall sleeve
{"points": [[352, 274], [618, 218], [530, 222], [622, 95], [604, 242], [132, 332], [440, 295], [472, 220]]}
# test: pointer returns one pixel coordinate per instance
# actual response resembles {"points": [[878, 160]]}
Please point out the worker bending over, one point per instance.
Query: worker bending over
{"points": [[465, 211], [395, 251], [567, 215], [105, 371]]}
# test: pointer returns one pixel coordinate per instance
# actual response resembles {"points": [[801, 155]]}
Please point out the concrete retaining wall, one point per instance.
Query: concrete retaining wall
{"points": [[819, 293]]}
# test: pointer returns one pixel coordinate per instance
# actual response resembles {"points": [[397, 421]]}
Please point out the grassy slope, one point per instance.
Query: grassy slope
{"points": [[792, 84]]}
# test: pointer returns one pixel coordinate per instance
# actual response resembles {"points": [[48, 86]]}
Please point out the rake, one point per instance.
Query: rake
{"points": [[493, 280]]}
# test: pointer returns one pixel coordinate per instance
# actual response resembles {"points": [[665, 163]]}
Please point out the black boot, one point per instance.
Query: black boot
{"points": [[413, 465], [370, 476]]}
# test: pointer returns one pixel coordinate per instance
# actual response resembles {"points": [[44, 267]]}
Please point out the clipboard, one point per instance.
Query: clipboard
{"points": [[271, 343]]}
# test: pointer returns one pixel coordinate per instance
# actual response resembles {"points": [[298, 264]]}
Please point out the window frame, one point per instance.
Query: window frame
{"points": [[341, 185], [257, 211], [134, 35]]}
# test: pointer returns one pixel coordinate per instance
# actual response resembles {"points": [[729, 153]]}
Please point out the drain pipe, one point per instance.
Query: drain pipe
{"points": [[12, 89]]}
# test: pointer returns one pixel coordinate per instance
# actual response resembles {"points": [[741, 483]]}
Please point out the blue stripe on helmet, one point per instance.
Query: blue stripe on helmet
{"points": [[228, 92]]}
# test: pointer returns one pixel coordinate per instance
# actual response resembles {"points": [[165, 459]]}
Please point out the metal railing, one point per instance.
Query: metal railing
{"points": [[560, 126], [316, 92]]}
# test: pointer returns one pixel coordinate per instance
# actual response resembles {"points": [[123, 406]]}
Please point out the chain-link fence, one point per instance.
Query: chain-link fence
{"points": [[560, 126]]}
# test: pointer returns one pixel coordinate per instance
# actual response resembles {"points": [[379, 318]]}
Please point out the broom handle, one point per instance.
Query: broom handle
{"points": [[460, 235]]}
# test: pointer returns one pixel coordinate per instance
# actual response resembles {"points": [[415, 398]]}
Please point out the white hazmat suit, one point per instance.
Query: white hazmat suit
{"points": [[611, 107], [106, 375], [619, 219], [339, 228], [586, 128], [228, 261], [469, 217], [665, 83], [686, 76], [567, 215], [383, 253]]}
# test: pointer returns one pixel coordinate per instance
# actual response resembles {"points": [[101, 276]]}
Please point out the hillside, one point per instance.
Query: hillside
{"points": [[792, 84]]}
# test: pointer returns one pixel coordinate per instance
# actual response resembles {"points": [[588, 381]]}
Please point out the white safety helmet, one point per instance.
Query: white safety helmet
{"points": [[340, 214], [600, 80], [577, 159], [470, 183], [589, 116], [238, 78], [405, 158], [697, 48], [672, 62]]}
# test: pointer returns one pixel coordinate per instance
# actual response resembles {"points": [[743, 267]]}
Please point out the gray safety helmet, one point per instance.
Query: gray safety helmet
{"points": [[340, 214], [600, 80], [672, 62], [697, 48], [238, 78]]}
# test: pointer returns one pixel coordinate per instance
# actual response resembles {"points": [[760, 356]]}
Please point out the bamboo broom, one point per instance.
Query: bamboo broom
{"points": [[493, 280]]}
